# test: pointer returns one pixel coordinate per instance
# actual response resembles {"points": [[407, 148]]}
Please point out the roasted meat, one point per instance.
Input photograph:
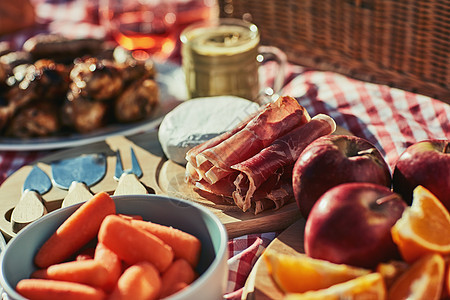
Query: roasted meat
{"points": [[137, 101], [58, 47], [43, 81], [55, 85], [85, 115], [37, 119], [133, 69], [96, 79], [47, 79]]}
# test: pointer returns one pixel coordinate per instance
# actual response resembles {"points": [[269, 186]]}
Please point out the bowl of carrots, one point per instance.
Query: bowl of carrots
{"points": [[119, 247]]}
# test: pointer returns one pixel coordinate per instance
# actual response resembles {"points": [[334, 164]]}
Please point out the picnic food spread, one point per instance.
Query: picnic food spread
{"points": [[57, 86], [362, 232]]}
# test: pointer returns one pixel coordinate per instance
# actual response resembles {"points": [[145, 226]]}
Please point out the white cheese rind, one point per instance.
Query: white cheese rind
{"points": [[198, 120]]}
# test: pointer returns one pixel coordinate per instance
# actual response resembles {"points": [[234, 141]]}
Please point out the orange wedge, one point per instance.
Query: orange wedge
{"points": [[423, 280], [423, 228], [301, 273], [368, 287]]}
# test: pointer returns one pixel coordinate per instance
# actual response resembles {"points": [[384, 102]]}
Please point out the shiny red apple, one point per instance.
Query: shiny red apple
{"points": [[332, 160], [425, 163], [351, 224]]}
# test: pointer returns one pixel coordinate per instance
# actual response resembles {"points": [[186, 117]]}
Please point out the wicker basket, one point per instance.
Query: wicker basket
{"points": [[401, 43]]}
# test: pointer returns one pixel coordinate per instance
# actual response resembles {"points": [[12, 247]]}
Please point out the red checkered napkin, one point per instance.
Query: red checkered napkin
{"points": [[244, 252]]}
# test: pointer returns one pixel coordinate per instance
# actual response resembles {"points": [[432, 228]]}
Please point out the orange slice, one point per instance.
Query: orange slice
{"points": [[423, 280], [423, 228], [370, 286], [301, 273]]}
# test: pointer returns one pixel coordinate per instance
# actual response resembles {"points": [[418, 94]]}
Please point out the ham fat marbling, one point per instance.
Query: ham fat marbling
{"points": [[251, 165]]}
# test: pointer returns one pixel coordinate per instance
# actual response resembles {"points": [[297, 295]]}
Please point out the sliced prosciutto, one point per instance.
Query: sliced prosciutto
{"points": [[224, 187], [275, 192], [276, 197], [251, 166], [273, 121], [191, 154], [283, 151]]}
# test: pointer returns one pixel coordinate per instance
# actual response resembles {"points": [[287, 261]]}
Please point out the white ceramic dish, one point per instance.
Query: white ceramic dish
{"points": [[16, 261], [170, 79]]}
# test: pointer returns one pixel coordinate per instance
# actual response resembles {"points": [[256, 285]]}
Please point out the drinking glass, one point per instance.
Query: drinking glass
{"points": [[146, 27], [152, 27], [224, 56]]}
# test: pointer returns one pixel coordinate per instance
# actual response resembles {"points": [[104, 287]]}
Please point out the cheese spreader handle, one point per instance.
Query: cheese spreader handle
{"points": [[29, 208], [129, 184], [78, 192]]}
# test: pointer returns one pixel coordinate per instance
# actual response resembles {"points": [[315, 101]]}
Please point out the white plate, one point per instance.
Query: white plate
{"points": [[170, 79]]}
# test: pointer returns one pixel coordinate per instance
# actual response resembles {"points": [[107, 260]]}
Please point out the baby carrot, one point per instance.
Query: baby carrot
{"points": [[37, 289], [76, 231], [90, 272], [134, 245], [112, 264], [184, 245], [140, 281], [180, 271]]}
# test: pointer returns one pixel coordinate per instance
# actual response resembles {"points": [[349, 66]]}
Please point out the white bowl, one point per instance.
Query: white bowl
{"points": [[16, 261]]}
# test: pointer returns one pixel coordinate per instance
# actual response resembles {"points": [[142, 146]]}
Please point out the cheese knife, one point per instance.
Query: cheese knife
{"points": [[77, 174], [128, 179], [30, 206]]}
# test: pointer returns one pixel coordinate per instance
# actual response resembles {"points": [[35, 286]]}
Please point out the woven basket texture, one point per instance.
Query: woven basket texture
{"points": [[400, 43]]}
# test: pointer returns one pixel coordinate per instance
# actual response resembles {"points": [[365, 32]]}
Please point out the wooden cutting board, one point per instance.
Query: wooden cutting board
{"points": [[161, 176], [259, 284]]}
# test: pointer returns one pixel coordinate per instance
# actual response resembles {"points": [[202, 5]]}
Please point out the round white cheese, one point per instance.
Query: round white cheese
{"points": [[198, 120]]}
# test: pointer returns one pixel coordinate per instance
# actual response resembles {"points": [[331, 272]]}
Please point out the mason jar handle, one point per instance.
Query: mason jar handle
{"points": [[271, 53]]}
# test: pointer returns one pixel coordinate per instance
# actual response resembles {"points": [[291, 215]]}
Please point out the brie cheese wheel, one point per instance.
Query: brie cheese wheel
{"points": [[198, 120]]}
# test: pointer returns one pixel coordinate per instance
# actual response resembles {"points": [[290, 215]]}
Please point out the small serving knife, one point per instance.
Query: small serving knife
{"points": [[129, 183], [30, 206], [77, 174]]}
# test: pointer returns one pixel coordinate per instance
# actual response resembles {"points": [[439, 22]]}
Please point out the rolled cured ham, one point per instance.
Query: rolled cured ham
{"points": [[251, 165], [195, 172], [273, 121], [282, 152]]}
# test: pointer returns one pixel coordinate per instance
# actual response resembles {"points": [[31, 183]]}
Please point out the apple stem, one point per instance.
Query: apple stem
{"points": [[367, 151], [387, 198], [446, 147]]}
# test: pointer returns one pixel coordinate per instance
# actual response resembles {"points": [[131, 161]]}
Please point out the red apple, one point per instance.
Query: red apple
{"points": [[332, 160], [425, 163], [351, 224]]}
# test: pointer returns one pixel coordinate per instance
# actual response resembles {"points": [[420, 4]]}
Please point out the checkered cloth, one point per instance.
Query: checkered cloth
{"points": [[391, 119]]}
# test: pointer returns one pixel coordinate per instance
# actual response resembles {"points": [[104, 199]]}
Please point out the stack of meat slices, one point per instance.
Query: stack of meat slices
{"points": [[251, 165]]}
